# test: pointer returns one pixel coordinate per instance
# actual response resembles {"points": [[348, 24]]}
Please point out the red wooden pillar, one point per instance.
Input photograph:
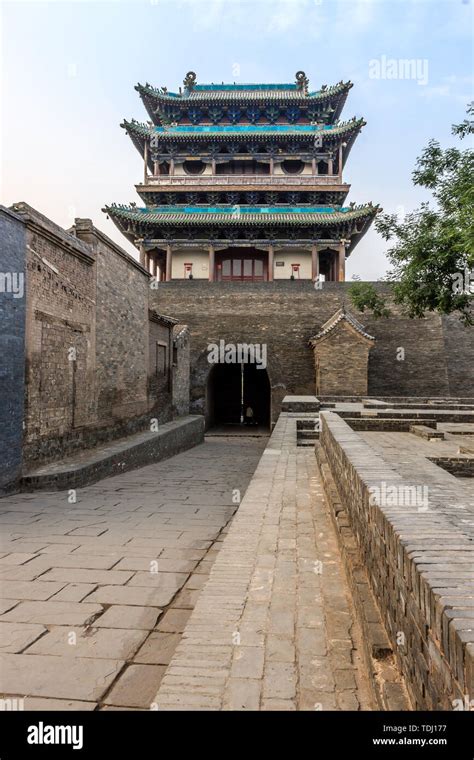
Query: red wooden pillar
{"points": [[314, 263], [168, 263], [211, 263], [271, 259]]}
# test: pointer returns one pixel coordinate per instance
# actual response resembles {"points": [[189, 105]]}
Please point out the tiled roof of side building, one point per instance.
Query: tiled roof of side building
{"points": [[332, 322]]}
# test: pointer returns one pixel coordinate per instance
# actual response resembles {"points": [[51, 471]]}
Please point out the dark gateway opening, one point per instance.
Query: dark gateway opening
{"points": [[232, 389]]}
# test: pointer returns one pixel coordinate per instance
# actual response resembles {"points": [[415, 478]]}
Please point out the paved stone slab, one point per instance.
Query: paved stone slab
{"points": [[53, 613], [136, 687], [16, 558], [174, 621], [78, 575], [158, 649], [186, 599], [130, 595], [248, 662], [164, 565], [159, 579], [36, 590], [81, 560], [7, 604], [14, 637], [45, 703], [122, 616], [108, 643], [75, 592], [59, 677]]}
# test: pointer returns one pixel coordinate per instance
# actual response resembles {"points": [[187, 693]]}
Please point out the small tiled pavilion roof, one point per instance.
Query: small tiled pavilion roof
{"points": [[339, 316]]}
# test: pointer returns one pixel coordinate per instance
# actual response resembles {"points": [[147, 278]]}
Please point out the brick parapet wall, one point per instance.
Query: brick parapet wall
{"points": [[418, 564], [286, 314]]}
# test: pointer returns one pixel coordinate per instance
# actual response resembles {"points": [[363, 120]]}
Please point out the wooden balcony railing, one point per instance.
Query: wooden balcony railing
{"points": [[223, 180]]}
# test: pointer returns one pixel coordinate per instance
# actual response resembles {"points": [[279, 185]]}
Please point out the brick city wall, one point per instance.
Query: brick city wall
{"points": [[404, 550], [86, 355], [12, 346], [285, 315]]}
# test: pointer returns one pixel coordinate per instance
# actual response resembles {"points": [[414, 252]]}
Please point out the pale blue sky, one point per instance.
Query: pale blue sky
{"points": [[69, 70]]}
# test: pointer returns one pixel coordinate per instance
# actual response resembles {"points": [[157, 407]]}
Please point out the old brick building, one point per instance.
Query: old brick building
{"points": [[87, 359], [341, 356]]}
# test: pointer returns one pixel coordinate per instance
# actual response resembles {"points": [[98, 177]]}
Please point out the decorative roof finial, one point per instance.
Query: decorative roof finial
{"points": [[189, 81], [302, 82]]}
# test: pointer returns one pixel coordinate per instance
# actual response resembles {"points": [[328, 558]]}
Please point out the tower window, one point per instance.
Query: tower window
{"points": [[292, 166], [194, 167]]}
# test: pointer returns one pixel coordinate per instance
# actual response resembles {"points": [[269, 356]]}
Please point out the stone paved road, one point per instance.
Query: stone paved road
{"points": [[94, 595], [274, 627]]}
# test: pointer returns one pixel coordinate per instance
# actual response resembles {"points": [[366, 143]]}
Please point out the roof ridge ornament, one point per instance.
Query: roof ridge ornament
{"points": [[302, 82], [189, 81]]}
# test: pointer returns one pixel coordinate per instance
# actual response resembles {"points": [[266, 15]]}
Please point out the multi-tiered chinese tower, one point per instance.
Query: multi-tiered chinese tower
{"points": [[244, 182]]}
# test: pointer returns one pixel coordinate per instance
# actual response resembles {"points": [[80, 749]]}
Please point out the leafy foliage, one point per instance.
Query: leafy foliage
{"points": [[433, 252], [364, 296]]}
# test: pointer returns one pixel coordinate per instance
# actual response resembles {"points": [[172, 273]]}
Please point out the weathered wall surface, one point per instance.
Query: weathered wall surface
{"points": [[60, 329], [459, 354], [12, 345], [181, 369], [160, 378], [121, 328], [88, 375], [342, 362], [419, 565], [438, 353]]}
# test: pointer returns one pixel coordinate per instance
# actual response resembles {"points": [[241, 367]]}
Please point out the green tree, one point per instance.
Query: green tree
{"points": [[364, 296], [432, 256]]}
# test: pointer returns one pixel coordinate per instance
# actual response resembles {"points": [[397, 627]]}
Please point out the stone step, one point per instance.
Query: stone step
{"points": [[307, 424], [423, 431], [311, 435], [119, 456], [300, 404], [399, 424]]}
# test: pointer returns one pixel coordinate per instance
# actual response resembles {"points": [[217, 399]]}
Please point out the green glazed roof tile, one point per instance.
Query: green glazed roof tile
{"points": [[240, 215]]}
